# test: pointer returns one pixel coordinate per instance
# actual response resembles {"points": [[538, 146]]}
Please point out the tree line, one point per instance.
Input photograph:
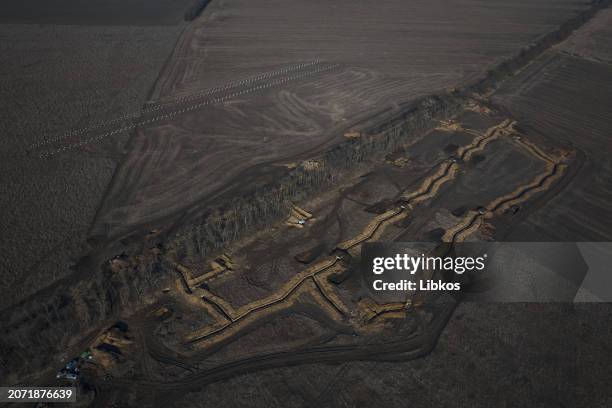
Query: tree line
{"points": [[204, 236]]}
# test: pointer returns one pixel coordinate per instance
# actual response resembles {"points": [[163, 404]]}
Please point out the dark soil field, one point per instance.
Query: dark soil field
{"points": [[488, 355], [567, 97], [56, 77], [96, 12]]}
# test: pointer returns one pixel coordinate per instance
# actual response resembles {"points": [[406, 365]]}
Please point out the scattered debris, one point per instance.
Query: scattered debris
{"points": [[352, 134], [298, 217], [301, 212], [478, 108], [290, 166], [310, 165], [399, 158], [449, 126], [401, 162], [225, 261], [163, 313]]}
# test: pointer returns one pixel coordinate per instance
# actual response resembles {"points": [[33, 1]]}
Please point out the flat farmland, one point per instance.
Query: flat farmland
{"points": [[56, 77], [592, 42], [107, 12], [567, 97], [379, 57]]}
